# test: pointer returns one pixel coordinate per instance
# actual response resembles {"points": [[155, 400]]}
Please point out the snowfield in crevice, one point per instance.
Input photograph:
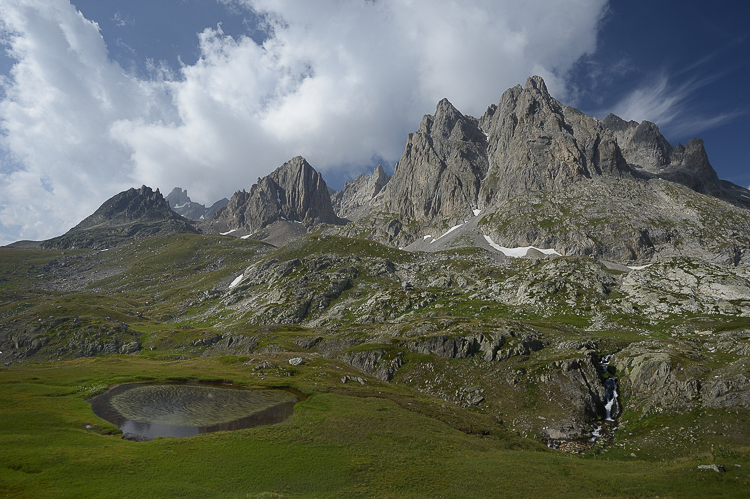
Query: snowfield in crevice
{"points": [[518, 252], [641, 267], [236, 281]]}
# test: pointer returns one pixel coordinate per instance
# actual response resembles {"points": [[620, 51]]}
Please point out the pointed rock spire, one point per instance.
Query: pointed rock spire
{"points": [[294, 192], [440, 171]]}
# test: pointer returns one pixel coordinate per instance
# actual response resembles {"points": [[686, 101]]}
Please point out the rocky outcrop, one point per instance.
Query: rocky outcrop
{"points": [[60, 338], [563, 282], [181, 204], [491, 347], [380, 363], [535, 143], [687, 286], [230, 344], [355, 198], [294, 192], [440, 171], [728, 392], [646, 150], [579, 392], [655, 380], [292, 290]]}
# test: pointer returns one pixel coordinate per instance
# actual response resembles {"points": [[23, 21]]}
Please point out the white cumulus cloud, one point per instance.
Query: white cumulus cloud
{"points": [[339, 82]]}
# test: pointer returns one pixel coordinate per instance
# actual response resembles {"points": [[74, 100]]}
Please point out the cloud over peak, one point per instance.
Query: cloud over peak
{"points": [[336, 82]]}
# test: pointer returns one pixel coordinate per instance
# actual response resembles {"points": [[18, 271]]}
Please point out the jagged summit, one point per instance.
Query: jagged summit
{"points": [[181, 203], [535, 143], [529, 142], [647, 151], [133, 213], [133, 205], [357, 193], [440, 171], [532, 172], [294, 192], [177, 198]]}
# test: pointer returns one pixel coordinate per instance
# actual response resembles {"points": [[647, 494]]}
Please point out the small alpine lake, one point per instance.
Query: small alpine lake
{"points": [[146, 411]]}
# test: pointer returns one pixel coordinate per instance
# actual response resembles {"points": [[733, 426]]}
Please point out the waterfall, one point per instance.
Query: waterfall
{"points": [[611, 405]]}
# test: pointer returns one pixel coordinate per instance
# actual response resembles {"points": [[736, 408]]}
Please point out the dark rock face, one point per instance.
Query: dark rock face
{"points": [[646, 150], [134, 213], [376, 362], [231, 345], [181, 204], [358, 193], [67, 338], [536, 143], [440, 171], [294, 192]]}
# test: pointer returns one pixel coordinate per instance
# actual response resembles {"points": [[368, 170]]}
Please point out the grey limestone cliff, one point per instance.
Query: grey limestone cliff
{"points": [[533, 172], [646, 150], [536, 143], [294, 192], [357, 194], [441, 169]]}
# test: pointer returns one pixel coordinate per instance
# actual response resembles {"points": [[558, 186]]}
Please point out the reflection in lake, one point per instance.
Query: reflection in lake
{"points": [[145, 411]]}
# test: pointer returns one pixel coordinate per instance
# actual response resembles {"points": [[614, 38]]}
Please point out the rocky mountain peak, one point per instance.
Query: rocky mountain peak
{"points": [[181, 203], [131, 214], [536, 143], [294, 192], [536, 83], [133, 205], [440, 171], [648, 152], [358, 194], [177, 197]]}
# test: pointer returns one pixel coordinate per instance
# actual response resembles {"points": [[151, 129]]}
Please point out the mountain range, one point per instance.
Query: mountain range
{"points": [[530, 172]]}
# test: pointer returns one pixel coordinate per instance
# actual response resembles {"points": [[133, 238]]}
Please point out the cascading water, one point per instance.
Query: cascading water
{"points": [[611, 405]]}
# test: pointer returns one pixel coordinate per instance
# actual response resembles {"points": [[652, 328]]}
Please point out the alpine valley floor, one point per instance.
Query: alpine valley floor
{"points": [[421, 381]]}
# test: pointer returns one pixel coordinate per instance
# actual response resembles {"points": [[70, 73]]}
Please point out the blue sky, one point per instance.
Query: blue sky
{"points": [[101, 95]]}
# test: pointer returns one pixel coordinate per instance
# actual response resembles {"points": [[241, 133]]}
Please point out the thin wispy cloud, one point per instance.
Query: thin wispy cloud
{"points": [[667, 98], [123, 20]]}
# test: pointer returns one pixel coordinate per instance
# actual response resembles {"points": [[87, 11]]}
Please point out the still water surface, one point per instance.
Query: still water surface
{"points": [[145, 411]]}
